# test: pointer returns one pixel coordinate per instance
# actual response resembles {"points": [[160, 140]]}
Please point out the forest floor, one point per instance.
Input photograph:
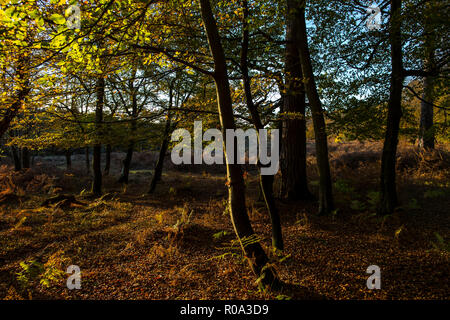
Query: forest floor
{"points": [[178, 243]]}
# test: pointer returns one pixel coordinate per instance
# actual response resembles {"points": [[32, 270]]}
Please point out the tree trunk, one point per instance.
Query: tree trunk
{"points": [[294, 185], [25, 158], [68, 155], [266, 181], [16, 158], [107, 159], [87, 161], [388, 200], [426, 132], [281, 89], [23, 84], [426, 139], [250, 245], [164, 145], [97, 185], [162, 153], [127, 161], [326, 205]]}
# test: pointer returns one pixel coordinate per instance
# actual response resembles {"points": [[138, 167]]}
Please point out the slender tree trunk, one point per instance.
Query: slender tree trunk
{"points": [[16, 158], [266, 181], [126, 163], [68, 155], [426, 139], [160, 163], [97, 185], [107, 159], [129, 156], [389, 200], [87, 161], [252, 249], [294, 185], [164, 145], [326, 205], [26, 158], [426, 132], [281, 89]]}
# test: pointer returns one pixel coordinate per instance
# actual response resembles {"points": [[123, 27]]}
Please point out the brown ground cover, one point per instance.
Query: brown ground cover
{"points": [[179, 243]]}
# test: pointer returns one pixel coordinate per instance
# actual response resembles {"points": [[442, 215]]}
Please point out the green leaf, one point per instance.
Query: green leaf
{"points": [[40, 22], [57, 18], [9, 12]]}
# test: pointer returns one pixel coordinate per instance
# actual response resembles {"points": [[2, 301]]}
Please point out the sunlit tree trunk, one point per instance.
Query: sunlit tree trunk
{"points": [[326, 205], [255, 254]]}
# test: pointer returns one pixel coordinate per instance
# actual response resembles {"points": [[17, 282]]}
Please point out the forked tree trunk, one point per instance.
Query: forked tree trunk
{"points": [[294, 185], [326, 205], [251, 247], [389, 201], [266, 181], [26, 158], [97, 184]]}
